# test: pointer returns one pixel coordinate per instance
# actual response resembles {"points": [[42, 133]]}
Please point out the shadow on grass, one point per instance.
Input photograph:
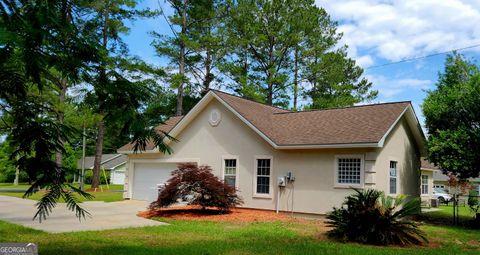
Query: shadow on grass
{"points": [[444, 217]]}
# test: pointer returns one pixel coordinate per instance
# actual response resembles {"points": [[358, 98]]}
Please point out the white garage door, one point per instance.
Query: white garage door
{"points": [[146, 178]]}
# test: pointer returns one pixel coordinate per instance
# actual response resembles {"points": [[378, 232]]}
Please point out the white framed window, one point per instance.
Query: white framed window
{"points": [[230, 170], [439, 186], [263, 173], [393, 177], [349, 171], [424, 184]]}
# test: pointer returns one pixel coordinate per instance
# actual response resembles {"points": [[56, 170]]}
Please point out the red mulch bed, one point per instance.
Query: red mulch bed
{"points": [[213, 214]]}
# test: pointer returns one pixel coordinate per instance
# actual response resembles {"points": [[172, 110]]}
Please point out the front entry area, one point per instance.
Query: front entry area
{"points": [[147, 177]]}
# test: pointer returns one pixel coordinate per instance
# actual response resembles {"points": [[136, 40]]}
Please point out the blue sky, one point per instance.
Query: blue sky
{"points": [[377, 32]]}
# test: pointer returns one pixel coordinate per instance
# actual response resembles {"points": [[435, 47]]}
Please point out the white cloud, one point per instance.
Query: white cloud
{"points": [[391, 88], [399, 29], [364, 61]]}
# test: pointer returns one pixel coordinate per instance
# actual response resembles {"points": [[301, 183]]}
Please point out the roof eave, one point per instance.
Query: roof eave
{"points": [[327, 146]]}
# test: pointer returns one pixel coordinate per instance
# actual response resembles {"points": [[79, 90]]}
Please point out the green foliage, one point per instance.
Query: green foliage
{"points": [[89, 174], [7, 166], [45, 48], [336, 81], [368, 216], [162, 104], [275, 47], [473, 201], [452, 117], [41, 36]]}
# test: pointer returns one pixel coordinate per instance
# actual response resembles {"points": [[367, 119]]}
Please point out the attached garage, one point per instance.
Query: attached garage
{"points": [[147, 177]]}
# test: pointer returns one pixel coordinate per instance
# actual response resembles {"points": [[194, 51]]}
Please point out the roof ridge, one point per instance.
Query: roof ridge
{"points": [[345, 107], [110, 159], [250, 100]]}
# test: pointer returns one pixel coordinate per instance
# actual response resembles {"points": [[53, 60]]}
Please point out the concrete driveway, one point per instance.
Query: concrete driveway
{"points": [[103, 215]]}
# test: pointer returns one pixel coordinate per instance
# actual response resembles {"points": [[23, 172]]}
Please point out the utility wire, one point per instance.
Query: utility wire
{"points": [[422, 57]]}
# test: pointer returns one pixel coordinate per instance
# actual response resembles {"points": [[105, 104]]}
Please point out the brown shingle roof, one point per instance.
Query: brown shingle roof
{"points": [[358, 124], [166, 127], [425, 164], [349, 125]]}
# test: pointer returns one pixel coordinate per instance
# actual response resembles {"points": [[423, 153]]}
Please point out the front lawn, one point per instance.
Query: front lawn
{"points": [[11, 186], [26, 186], [445, 214], [106, 196], [113, 195], [202, 237]]}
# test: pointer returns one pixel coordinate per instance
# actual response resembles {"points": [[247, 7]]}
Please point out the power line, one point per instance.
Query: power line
{"points": [[422, 57]]}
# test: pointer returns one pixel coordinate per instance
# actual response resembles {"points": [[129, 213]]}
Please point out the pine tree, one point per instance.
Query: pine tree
{"points": [[112, 80]]}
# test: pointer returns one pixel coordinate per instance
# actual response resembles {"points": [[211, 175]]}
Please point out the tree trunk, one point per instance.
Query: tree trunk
{"points": [[61, 117], [269, 72], [98, 155], [295, 81], [101, 125], [208, 72], [179, 110]]}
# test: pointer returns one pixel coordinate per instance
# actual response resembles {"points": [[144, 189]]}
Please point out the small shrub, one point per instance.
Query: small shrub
{"points": [[89, 175], [200, 186], [370, 217], [473, 202], [474, 205]]}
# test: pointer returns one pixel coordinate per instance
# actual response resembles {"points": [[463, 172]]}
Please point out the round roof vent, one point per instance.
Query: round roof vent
{"points": [[215, 117]]}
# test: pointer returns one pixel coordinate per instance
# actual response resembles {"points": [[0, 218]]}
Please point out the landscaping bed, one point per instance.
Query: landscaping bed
{"points": [[213, 214]]}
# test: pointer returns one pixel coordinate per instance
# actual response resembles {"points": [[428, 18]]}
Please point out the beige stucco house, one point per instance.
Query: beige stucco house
{"points": [[258, 147]]}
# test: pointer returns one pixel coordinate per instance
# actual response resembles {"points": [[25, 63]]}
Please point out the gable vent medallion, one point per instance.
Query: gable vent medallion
{"points": [[215, 117]]}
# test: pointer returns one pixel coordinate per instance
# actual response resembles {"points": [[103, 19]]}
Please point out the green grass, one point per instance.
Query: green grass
{"points": [[26, 186], [191, 237], [445, 214], [106, 196], [10, 186]]}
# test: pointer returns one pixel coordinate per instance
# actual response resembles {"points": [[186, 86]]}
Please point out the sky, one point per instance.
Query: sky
{"points": [[379, 33]]}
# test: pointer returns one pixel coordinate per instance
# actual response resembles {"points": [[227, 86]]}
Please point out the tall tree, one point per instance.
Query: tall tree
{"points": [[31, 46], [283, 46], [208, 42], [335, 81], [110, 80], [190, 47], [263, 29], [452, 117]]}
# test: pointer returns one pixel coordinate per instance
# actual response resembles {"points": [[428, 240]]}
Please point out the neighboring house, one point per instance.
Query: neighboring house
{"points": [[426, 180], [252, 145], [437, 179], [114, 163]]}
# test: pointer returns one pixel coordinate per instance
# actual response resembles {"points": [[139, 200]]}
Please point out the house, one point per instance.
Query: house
{"points": [[258, 148], [426, 180], [440, 180], [115, 164]]}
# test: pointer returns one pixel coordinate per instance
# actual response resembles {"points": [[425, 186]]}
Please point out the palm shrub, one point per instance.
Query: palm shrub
{"points": [[200, 186], [368, 216]]}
